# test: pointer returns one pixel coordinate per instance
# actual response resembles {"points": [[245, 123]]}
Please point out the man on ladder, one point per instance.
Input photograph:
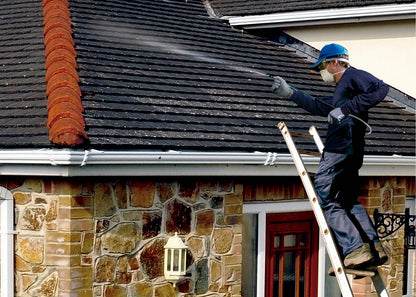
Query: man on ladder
{"points": [[336, 182]]}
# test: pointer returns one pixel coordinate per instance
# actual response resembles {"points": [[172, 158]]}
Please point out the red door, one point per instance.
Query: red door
{"points": [[292, 255]]}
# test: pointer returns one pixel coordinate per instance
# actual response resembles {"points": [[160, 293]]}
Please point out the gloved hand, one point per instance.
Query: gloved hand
{"points": [[335, 116], [281, 88]]}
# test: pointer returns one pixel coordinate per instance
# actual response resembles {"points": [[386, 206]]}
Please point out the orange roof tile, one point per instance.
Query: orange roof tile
{"points": [[65, 94], [57, 21], [65, 120], [60, 55], [59, 43], [61, 67]]}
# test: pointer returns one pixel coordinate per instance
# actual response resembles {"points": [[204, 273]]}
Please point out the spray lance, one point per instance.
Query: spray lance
{"points": [[332, 106]]}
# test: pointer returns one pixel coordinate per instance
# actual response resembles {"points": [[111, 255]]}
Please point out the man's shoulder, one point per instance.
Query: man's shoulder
{"points": [[355, 74], [354, 71]]}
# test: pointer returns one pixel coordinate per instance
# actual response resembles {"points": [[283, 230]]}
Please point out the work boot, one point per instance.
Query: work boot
{"points": [[381, 256], [359, 258]]}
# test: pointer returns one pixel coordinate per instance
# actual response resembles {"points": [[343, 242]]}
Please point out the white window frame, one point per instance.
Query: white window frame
{"points": [[7, 242], [262, 209]]}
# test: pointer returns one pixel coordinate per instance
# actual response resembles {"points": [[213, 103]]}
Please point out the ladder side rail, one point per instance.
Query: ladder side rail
{"points": [[379, 285], [323, 225], [316, 138]]}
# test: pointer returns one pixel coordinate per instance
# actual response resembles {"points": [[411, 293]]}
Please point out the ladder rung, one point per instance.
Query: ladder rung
{"points": [[310, 153], [301, 135]]}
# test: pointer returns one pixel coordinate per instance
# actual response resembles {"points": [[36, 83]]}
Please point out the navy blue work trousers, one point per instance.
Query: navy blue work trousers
{"points": [[337, 187]]}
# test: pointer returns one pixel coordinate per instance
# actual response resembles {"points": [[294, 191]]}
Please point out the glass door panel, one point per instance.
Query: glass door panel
{"points": [[291, 246]]}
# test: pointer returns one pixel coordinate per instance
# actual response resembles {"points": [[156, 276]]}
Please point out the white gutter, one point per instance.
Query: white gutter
{"points": [[7, 243], [66, 162], [326, 16]]}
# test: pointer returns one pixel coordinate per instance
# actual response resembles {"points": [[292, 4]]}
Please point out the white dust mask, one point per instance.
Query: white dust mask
{"points": [[328, 76]]}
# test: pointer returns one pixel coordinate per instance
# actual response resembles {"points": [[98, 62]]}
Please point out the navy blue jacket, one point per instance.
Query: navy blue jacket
{"points": [[356, 92]]}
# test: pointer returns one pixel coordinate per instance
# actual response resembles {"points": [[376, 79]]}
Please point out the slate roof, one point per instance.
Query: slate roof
{"points": [[259, 7], [165, 75], [23, 112]]}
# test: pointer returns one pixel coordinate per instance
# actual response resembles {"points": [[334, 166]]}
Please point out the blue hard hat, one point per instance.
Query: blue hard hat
{"points": [[330, 50]]}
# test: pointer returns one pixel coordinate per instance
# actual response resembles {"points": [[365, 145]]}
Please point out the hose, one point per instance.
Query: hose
{"points": [[370, 130]]}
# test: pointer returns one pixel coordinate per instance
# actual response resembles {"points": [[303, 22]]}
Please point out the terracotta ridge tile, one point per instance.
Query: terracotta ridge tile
{"points": [[65, 118], [65, 94], [64, 65], [60, 80], [68, 111], [60, 55], [59, 43]]}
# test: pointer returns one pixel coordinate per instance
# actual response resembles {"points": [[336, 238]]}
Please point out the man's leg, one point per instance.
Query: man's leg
{"points": [[367, 226], [348, 194], [359, 215], [362, 217], [329, 182]]}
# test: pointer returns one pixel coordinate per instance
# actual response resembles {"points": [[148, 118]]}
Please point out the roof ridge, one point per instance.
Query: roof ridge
{"points": [[66, 122]]}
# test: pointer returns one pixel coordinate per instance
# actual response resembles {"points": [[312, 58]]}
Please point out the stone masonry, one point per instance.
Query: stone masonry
{"points": [[388, 195], [106, 238], [80, 237]]}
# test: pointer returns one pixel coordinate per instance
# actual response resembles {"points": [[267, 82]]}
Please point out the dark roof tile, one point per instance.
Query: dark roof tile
{"points": [[164, 75]]}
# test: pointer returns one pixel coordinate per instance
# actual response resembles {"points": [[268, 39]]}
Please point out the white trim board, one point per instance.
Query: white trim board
{"points": [[66, 162], [326, 16], [264, 208]]}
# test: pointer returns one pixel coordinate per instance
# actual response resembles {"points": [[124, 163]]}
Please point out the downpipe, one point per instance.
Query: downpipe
{"points": [[7, 243]]}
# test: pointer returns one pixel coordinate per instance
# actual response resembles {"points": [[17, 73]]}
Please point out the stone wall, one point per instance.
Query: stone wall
{"points": [[54, 243], [387, 195], [104, 237]]}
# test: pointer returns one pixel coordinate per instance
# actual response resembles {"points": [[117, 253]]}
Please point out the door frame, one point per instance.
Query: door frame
{"points": [[293, 221], [261, 209]]}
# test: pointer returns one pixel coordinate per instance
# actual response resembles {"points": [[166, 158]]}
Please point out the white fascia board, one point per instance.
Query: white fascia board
{"points": [[326, 16], [66, 162], [131, 157]]}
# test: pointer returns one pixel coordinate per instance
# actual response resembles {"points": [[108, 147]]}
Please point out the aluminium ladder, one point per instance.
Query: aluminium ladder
{"points": [[337, 264]]}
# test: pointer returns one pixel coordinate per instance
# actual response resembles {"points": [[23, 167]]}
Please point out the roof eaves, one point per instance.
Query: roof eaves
{"points": [[326, 16], [69, 162], [65, 119], [401, 99]]}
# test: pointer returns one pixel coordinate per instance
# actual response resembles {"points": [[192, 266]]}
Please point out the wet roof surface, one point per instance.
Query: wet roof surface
{"points": [[165, 75]]}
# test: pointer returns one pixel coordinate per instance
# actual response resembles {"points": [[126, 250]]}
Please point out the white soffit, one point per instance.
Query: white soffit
{"points": [[326, 16]]}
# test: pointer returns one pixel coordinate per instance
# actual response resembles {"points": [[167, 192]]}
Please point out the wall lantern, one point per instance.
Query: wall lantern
{"points": [[388, 223], [175, 259]]}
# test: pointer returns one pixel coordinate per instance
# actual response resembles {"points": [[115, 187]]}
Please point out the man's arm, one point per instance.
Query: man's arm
{"points": [[308, 103], [372, 91], [304, 100]]}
